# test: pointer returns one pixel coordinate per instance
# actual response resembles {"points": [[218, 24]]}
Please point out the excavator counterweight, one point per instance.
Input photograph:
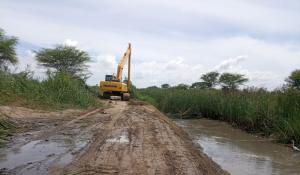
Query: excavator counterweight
{"points": [[113, 87]]}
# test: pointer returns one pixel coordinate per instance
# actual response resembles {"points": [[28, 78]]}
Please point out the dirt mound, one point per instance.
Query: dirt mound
{"points": [[127, 138]]}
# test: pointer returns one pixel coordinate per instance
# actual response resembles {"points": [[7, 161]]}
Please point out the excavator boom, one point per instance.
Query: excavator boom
{"points": [[122, 62]]}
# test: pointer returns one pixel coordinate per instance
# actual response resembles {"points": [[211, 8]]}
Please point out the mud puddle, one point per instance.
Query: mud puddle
{"points": [[119, 138], [239, 152], [38, 156]]}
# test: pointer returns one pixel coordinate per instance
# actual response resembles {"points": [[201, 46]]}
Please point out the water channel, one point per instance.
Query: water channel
{"points": [[239, 152]]}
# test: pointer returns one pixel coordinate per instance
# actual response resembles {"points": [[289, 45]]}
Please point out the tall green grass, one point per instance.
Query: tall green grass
{"points": [[59, 90], [271, 113], [6, 129]]}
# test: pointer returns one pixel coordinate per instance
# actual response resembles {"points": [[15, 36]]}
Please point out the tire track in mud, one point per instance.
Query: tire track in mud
{"points": [[140, 140], [49, 141], [126, 138]]}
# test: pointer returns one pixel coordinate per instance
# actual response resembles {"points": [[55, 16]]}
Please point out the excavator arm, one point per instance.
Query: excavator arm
{"points": [[122, 62]]}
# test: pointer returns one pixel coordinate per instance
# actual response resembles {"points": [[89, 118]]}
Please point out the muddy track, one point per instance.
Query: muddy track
{"points": [[126, 138]]}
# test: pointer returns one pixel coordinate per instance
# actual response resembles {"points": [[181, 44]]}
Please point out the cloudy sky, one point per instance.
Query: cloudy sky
{"points": [[174, 41]]}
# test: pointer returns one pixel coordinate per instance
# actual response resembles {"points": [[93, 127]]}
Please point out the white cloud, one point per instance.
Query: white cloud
{"points": [[30, 54], [102, 65], [70, 42], [258, 78], [173, 72], [27, 61], [231, 63], [172, 41]]}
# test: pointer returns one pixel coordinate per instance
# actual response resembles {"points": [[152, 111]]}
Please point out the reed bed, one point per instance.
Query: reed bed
{"points": [[275, 114]]}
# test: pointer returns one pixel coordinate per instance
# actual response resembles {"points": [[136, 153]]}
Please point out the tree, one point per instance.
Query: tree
{"points": [[165, 86], [152, 87], [199, 85], [210, 79], [182, 86], [7, 49], [231, 81], [66, 59], [293, 80]]}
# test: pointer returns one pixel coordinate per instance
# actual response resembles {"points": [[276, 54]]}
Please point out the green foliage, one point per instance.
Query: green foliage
{"points": [[152, 87], [294, 79], [132, 90], [255, 110], [65, 59], [181, 86], [231, 81], [7, 49], [63, 89], [59, 90], [6, 129], [199, 85], [165, 85], [289, 109], [209, 79], [94, 90]]}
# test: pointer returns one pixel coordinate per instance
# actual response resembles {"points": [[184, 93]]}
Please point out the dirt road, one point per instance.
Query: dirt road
{"points": [[125, 138]]}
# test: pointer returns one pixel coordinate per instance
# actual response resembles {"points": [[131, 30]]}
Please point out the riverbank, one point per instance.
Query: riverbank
{"points": [[124, 138], [275, 114]]}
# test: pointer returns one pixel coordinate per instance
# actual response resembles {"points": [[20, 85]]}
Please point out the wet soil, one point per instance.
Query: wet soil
{"points": [[125, 138]]}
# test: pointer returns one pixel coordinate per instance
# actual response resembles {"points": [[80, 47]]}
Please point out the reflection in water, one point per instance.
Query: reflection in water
{"points": [[239, 152], [36, 156]]}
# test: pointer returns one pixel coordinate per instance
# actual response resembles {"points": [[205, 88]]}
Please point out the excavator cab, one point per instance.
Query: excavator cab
{"points": [[111, 78], [108, 77]]}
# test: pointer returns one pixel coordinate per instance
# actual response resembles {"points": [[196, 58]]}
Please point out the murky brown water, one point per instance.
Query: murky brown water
{"points": [[36, 156], [240, 153]]}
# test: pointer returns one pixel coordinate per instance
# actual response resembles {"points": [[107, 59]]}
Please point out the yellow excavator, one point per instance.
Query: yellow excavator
{"points": [[113, 87]]}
